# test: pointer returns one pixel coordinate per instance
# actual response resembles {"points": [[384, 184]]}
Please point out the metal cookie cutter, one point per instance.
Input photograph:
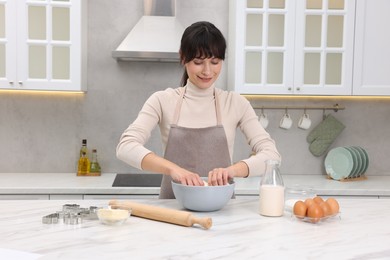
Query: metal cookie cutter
{"points": [[71, 214], [50, 219], [72, 218]]}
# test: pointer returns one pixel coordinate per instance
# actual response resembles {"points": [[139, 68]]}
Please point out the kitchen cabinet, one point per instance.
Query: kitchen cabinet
{"points": [[24, 197], [42, 45], [68, 186], [65, 196], [372, 52], [349, 196], [117, 196], [291, 47], [246, 195], [75, 196]]}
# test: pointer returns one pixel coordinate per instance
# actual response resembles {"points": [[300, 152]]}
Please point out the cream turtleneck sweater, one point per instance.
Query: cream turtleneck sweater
{"points": [[197, 111]]}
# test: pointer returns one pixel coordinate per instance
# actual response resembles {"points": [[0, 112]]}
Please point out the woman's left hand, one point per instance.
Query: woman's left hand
{"points": [[220, 176]]}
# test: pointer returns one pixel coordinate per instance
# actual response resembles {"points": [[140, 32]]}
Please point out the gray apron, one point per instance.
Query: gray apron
{"points": [[198, 150]]}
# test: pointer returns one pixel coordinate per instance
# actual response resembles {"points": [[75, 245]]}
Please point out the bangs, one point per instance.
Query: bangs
{"points": [[206, 48]]}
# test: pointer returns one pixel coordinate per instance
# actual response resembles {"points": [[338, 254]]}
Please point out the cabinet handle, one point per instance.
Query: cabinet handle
{"points": [[289, 89], [11, 82], [20, 82], [298, 89]]}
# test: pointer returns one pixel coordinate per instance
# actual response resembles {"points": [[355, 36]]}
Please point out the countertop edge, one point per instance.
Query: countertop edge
{"points": [[68, 183]]}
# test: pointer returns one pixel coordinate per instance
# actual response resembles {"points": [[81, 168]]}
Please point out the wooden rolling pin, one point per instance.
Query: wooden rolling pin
{"points": [[173, 216]]}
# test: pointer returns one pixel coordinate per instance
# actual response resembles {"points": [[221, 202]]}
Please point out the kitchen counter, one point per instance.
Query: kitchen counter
{"points": [[238, 232], [68, 183]]}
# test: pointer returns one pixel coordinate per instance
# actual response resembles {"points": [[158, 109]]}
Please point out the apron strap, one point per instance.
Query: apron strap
{"points": [[180, 101], [178, 106], [217, 109]]}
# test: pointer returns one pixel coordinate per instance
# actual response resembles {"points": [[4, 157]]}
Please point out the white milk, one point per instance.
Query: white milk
{"points": [[271, 200]]}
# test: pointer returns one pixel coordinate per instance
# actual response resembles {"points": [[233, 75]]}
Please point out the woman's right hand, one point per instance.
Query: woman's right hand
{"points": [[154, 163], [186, 177]]}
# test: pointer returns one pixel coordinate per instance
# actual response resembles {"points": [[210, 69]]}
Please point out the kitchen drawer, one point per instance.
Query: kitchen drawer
{"points": [[116, 196], [24, 197], [66, 197], [349, 196]]}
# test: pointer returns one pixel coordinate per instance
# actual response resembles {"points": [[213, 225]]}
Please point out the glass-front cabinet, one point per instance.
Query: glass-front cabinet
{"points": [[291, 46], [8, 43], [42, 45]]}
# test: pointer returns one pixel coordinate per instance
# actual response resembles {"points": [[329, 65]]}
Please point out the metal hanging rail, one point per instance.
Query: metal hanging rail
{"points": [[335, 107]]}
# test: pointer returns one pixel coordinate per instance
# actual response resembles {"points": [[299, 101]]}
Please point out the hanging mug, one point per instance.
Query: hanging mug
{"points": [[304, 121], [286, 121]]}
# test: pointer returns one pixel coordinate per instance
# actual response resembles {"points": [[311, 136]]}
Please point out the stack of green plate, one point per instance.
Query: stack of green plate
{"points": [[346, 162]]}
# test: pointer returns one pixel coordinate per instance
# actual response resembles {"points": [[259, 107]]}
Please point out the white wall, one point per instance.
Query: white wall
{"points": [[43, 132]]}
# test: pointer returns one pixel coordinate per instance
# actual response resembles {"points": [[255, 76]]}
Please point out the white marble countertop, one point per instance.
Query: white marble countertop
{"points": [[69, 183], [238, 232]]}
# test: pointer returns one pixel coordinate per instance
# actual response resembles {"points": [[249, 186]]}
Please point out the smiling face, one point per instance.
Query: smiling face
{"points": [[203, 72], [202, 51]]}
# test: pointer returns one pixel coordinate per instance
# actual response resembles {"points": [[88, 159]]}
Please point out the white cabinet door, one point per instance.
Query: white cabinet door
{"points": [[48, 38], [7, 44], [372, 52], [291, 47], [261, 46], [324, 47]]}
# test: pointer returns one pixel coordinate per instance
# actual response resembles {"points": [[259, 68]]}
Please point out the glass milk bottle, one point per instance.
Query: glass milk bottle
{"points": [[272, 191]]}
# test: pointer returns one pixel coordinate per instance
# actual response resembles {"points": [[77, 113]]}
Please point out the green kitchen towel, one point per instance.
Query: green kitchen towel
{"points": [[323, 135]]}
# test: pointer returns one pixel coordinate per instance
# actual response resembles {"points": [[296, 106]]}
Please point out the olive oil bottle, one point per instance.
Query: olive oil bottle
{"points": [[95, 167], [83, 165]]}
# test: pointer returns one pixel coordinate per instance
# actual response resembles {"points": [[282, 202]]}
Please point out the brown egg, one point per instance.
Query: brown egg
{"points": [[315, 213], [318, 200], [326, 208], [308, 202], [300, 209], [334, 205]]}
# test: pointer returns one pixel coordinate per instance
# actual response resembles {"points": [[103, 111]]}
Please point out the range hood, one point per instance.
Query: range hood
{"points": [[156, 36]]}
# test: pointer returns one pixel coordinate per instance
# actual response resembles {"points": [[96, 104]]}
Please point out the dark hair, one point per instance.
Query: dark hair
{"points": [[201, 40]]}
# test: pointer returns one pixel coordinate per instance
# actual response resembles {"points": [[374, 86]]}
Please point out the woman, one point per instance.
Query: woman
{"points": [[197, 122]]}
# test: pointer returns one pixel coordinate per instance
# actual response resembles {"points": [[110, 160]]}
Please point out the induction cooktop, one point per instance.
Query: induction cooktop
{"points": [[137, 180]]}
